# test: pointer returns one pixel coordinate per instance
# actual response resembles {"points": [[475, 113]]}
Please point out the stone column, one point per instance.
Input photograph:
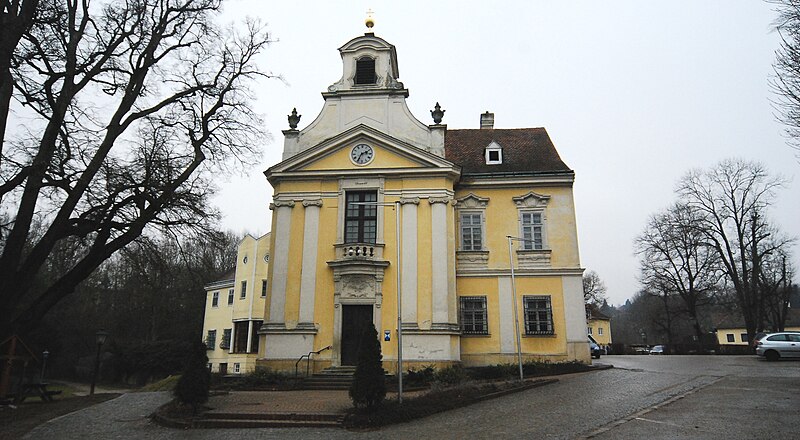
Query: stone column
{"points": [[439, 258], [308, 280], [280, 259], [409, 256]]}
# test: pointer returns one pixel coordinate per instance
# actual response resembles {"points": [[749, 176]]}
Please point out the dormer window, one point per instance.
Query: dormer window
{"points": [[365, 71], [494, 154]]}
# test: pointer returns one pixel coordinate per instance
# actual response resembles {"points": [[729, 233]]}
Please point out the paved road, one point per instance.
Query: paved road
{"points": [[725, 397]]}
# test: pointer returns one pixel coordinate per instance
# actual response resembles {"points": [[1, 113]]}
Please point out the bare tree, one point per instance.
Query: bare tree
{"points": [[675, 259], [129, 108], [594, 290], [786, 82], [731, 200]]}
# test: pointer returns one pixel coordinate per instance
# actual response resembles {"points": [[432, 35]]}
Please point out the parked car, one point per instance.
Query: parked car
{"points": [[774, 346], [657, 349], [594, 348]]}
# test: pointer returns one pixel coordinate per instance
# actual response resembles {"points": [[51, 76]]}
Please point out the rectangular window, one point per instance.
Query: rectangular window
{"points": [[211, 339], [538, 315], [361, 218], [263, 288], [731, 337], [254, 342], [243, 293], [230, 297], [226, 339], [744, 337], [237, 368], [590, 330], [600, 331], [471, 232], [473, 315], [532, 231], [215, 299], [240, 336]]}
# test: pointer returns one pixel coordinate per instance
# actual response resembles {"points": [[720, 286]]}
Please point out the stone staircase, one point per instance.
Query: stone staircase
{"points": [[331, 378], [269, 420]]}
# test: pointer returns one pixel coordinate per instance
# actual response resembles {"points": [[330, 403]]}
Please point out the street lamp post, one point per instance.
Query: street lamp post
{"points": [[514, 298], [100, 339], [45, 354]]}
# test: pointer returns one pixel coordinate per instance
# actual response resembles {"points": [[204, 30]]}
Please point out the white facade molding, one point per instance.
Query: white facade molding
{"points": [[441, 200], [531, 200], [471, 201]]}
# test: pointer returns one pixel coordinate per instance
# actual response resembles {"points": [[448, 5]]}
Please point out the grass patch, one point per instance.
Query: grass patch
{"points": [[166, 384]]}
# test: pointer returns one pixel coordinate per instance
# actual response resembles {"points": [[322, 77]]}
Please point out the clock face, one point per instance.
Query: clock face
{"points": [[362, 154]]}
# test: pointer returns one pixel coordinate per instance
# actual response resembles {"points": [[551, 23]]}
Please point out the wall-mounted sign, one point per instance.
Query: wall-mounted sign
{"points": [[387, 335]]}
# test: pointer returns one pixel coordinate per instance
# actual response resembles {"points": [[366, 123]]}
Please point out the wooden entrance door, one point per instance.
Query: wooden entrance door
{"points": [[354, 319]]}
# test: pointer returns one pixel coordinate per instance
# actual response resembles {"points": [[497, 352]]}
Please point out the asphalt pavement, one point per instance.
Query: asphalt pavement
{"points": [[653, 397]]}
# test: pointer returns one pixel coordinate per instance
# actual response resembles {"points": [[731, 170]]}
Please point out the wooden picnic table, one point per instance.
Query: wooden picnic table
{"points": [[37, 389]]}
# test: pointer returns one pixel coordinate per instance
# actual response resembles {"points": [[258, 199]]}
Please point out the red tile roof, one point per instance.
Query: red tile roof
{"points": [[525, 150]]}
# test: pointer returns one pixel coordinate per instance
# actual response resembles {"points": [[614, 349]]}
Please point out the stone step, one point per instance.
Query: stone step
{"points": [[263, 423]]}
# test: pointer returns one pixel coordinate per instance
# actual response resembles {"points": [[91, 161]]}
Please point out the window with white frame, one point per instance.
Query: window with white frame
{"points": [[211, 339], [471, 231], [243, 293], [230, 297], [237, 367], [538, 315], [361, 217], [263, 288], [473, 315], [589, 329], [600, 331], [494, 154], [532, 224], [215, 299]]}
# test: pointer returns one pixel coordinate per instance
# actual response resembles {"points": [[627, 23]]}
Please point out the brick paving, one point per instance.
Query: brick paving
{"points": [[302, 402]]}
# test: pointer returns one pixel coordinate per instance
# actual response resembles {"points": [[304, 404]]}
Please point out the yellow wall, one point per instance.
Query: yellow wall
{"points": [[250, 308], [722, 335], [596, 325]]}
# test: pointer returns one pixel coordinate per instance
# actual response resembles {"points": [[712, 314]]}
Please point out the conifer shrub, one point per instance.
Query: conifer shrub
{"points": [[369, 382], [192, 387]]}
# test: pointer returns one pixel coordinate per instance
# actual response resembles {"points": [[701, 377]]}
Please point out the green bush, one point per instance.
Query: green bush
{"points": [[491, 372], [192, 387], [452, 375], [423, 376], [369, 381], [531, 369]]}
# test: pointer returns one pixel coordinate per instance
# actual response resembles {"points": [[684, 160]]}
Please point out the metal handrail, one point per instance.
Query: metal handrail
{"points": [[308, 359]]}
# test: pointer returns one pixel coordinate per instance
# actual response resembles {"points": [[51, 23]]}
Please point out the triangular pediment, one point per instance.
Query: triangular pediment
{"points": [[387, 153]]}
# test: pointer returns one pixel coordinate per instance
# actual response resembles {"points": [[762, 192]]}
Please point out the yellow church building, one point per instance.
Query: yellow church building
{"points": [[465, 237], [378, 217]]}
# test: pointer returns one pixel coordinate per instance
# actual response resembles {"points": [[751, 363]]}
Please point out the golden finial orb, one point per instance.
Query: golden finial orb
{"points": [[370, 22]]}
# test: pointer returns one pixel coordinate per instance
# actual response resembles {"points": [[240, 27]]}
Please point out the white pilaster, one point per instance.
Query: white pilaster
{"points": [[505, 298], [439, 285], [280, 259], [409, 263], [308, 277], [574, 311]]}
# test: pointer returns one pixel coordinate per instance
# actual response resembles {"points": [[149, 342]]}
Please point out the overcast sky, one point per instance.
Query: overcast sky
{"points": [[633, 94]]}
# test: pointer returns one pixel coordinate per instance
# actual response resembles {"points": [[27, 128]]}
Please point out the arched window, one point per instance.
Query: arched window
{"points": [[365, 71]]}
